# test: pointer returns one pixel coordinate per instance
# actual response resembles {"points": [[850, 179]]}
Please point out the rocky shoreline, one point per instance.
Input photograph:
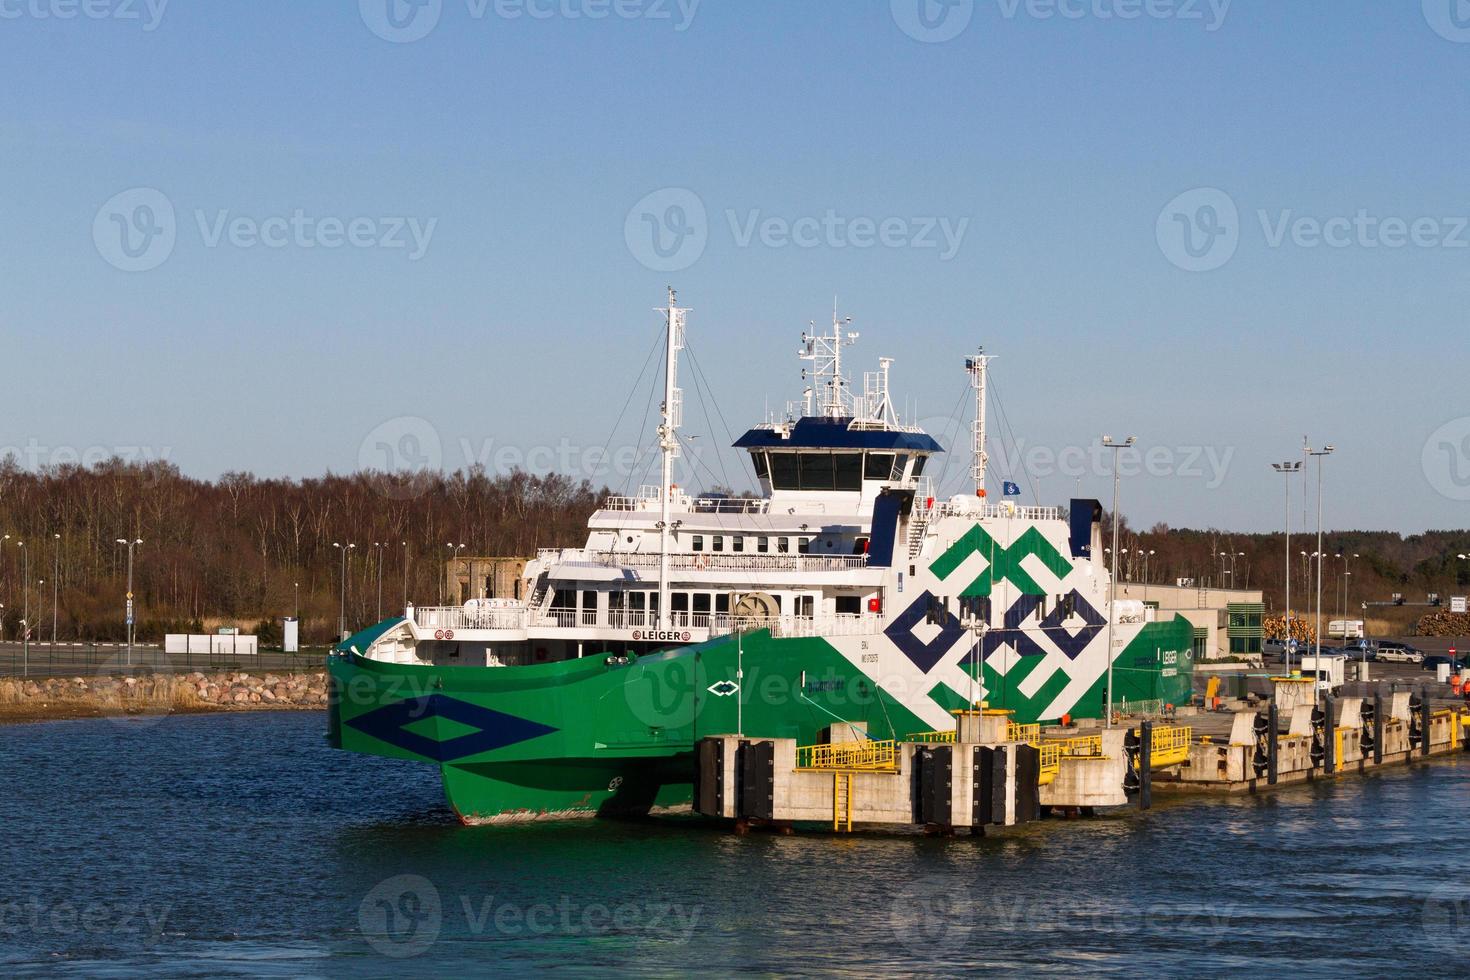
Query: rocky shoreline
{"points": [[56, 698]]}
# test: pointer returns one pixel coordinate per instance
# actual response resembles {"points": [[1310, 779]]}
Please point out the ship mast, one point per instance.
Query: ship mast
{"points": [[825, 353], [668, 441], [976, 366]]}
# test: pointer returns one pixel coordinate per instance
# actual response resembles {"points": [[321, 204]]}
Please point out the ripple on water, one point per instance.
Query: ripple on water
{"points": [[242, 845]]}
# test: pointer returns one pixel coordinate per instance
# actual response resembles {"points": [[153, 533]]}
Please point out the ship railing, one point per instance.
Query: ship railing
{"points": [[843, 625], [731, 505], [485, 618], [997, 511], [704, 561], [648, 498]]}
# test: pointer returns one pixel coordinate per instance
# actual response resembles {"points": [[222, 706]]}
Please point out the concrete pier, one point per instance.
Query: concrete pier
{"points": [[990, 773]]}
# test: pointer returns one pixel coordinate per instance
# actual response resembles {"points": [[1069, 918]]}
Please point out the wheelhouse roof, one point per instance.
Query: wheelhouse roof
{"points": [[825, 433]]}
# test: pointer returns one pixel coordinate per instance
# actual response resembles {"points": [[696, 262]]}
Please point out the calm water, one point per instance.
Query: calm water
{"points": [[240, 844]]}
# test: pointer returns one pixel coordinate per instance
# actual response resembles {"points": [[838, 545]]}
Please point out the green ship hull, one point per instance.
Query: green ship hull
{"points": [[613, 735]]}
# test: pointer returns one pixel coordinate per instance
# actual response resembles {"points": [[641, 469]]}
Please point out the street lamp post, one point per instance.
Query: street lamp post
{"points": [[379, 545], [342, 605], [1232, 555], [1116, 447], [1320, 455], [55, 586], [128, 612], [1146, 556], [1287, 469], [25, 618]]}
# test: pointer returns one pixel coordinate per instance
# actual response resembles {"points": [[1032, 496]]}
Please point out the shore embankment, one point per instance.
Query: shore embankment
{"points": [[109, 696]]}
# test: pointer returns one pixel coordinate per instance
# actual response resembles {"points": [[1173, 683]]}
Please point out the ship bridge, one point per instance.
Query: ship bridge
{"points": [[842, 463]]}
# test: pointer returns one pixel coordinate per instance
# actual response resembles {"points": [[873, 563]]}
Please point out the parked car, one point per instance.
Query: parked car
{"points": [[1457, 664], [1390, 651], [1276, 649]]}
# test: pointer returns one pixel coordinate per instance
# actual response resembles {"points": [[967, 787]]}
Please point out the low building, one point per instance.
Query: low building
{"points": [[1227, 622]]}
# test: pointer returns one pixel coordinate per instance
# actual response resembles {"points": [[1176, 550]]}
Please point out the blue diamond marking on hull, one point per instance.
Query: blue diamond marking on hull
{"points": [[1052, 626], [924, 655], [496, 728]]}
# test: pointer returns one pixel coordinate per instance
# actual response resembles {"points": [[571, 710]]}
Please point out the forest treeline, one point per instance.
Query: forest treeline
{"points": [[239, 550]]}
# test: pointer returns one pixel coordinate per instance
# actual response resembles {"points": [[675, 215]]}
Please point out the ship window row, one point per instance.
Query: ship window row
{"points": [[687, 608], [738, 544], [831, 471]]}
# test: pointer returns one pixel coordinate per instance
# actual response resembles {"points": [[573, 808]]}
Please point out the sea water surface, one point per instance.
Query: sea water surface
{"points": [[242, 845]]}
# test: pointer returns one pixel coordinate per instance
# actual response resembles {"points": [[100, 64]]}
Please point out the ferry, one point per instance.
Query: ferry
{"points": [[844, 597]]}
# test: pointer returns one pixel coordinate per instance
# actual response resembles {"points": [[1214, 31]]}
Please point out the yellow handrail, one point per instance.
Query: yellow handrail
{"points": [[1170, 746], [861, 756], [1084, 746], [931, 737], [1051, 763], [1030, 734]]}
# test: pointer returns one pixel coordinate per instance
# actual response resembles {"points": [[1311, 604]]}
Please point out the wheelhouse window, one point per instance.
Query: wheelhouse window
{"points": [[919, 462], [816, 471], [785, 471], [847, 471], [878, 466], [762, 467]]}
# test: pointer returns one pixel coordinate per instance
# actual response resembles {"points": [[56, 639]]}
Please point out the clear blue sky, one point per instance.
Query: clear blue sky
{"points": [[524, 143]]}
